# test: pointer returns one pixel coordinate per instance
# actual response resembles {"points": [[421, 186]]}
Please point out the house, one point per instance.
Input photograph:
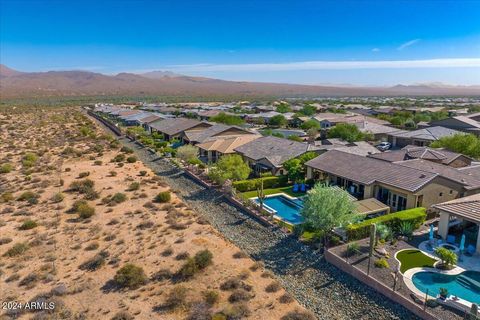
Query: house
{"points": [[327, 119], [196, 135], [420, 137], [403, 185], [461, 217], [174, 128], [380, 132], [267, 154], [214, 148], [468, 123], [145, 122], [443, 156], [362, 148]]}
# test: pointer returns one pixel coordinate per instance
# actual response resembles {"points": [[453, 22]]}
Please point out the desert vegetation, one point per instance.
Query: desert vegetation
{"points": [[85, 224]]}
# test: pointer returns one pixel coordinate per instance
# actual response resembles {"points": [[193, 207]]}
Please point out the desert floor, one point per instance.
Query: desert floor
{"points": [[75, 209]]}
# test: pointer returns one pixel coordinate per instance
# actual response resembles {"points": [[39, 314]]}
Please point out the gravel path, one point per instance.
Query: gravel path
{"points": [[319, 286]]}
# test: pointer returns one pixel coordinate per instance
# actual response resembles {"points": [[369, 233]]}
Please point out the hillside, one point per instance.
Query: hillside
{"points": [[14, 84]]}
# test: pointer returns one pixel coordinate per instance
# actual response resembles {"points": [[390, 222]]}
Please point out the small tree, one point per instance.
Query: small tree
{"points": [[295, 167], [326, 208], [130, 276], [346, 131], [187, 152], [278, 121], [229, 167], [449, 258]]}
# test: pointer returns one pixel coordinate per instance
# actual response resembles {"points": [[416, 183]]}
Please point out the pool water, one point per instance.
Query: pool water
{"points": [[285, 208], [465, 285]]}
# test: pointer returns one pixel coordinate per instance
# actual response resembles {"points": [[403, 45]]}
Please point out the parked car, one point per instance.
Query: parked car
{"points": [[384, 146]]}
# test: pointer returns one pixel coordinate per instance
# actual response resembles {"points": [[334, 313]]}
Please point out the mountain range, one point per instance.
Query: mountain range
{"points": [[16, 84]]}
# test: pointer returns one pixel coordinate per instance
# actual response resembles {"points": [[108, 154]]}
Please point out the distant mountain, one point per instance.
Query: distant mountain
{"points": [[15, 84]]}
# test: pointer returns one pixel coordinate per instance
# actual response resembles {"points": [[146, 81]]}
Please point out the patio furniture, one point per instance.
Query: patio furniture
{"points": [[302, 188], [470, 250], [295, 187], [451, 239]]}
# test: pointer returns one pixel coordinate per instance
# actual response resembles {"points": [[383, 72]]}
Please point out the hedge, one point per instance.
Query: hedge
{"points": [[361, 230], [252, 184]]}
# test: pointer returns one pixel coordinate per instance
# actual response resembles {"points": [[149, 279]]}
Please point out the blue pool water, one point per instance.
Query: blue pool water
{"points": [[287, 209], [465, 285]]}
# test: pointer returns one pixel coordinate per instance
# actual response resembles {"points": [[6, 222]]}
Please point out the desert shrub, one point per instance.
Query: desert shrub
{"points": [[92, 246], [29, 196], [177, 297], [231, 284], [182, 255], [6, 197], [5, 240], [84, 187], [95, 262], [162, 274], [239, 295], [132, 159], [381, 263], [273, 287], [286, 298], [167, 252], [113, 173], [98, 162], [163, 197], [126, 150], [240, 255], [143, 173], [236, 311], [133, 186], [118, 198], [57, 197], [130, 276], [17, 249], [29, 280], [28, 224], [188, 269], [85, 211], [119, 158], [211, 297], [353, 248], [122, 315], [298, 315], [29, 159], [82, 175], [203, 259], [6, 168]]}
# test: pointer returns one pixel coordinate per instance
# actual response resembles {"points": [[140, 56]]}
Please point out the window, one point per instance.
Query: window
{"points": [[441, 194], [451, 191]]}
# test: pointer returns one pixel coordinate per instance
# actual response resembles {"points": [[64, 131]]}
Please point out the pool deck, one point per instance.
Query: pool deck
{"points": [[471, 263]]}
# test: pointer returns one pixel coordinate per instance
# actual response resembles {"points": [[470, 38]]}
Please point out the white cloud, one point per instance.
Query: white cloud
{"points": [[330, 65], [375, 50], [408, 44]]}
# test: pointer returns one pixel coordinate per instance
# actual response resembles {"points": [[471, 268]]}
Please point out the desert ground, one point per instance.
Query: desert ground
{"points": [[90, 232]]}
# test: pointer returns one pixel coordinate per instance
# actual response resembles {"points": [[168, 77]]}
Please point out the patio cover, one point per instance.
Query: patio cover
{"points": [[371, 205]]}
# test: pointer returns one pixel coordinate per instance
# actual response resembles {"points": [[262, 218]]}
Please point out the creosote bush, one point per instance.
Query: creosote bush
{"points": [[57, 197], [132, 159], [16, 250], [6, 168], [28, 224], [130, 276], [163, 197], [133, 186], [177, 297]]}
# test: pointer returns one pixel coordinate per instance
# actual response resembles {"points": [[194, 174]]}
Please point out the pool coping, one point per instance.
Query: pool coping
{"points": [[273, 211]]}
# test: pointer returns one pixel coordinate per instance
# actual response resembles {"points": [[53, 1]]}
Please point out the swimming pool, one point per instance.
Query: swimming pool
{"points": [[284, 208], [465, 285]]}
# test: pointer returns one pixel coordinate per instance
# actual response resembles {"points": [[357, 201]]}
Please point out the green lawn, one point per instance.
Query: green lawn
{"points": [[288, 190], [413, 258]]}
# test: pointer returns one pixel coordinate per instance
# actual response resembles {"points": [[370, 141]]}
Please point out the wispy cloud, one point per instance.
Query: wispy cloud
{"points": [[375, 50], [408, 44], [332, 65]]}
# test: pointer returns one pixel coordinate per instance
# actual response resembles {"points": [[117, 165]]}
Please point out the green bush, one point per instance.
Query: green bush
{"points": [[133, 186], [361, 230], [118, 198], [211, 297], [381, 263], [163, 197], [6, 168], [85, 211], [203, 259], [29, 196], [252, 184], [143, 173], [57, 197], [119, 158], [188, 269], [28, 224], [83, 174], [130, 276], [132, 159]]}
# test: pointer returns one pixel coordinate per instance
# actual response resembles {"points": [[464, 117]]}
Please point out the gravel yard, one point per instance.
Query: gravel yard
{"points": [[322, 288]]}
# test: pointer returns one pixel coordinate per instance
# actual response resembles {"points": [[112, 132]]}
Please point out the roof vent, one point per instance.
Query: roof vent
{"points": [[422, 176]]}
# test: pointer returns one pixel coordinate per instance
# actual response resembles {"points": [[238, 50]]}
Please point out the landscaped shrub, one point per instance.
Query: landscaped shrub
{"points": [[448, 258], [130, 276], [28, 224], [163, 197], [381, 263], [362, 230], [353, 248], [6, 168], [16, 250], [252, 184]]}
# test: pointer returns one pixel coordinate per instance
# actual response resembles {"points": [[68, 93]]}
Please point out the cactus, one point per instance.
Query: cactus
{"points": [[373, 236], [260, 195]]}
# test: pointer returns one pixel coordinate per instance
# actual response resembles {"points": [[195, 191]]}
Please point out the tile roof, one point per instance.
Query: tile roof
{"points": [[467, 207], [274, 149], [227, 144], [432, 133], [415, 152], [368, 170], [216, 129], [174, 126], [450, 173], [149, 118]]}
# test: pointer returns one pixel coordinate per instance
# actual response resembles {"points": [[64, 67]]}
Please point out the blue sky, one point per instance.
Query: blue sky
{"points": [[315, 42]]}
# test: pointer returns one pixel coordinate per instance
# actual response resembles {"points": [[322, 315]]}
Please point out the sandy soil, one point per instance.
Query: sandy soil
{"points": [[154, 236]]}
